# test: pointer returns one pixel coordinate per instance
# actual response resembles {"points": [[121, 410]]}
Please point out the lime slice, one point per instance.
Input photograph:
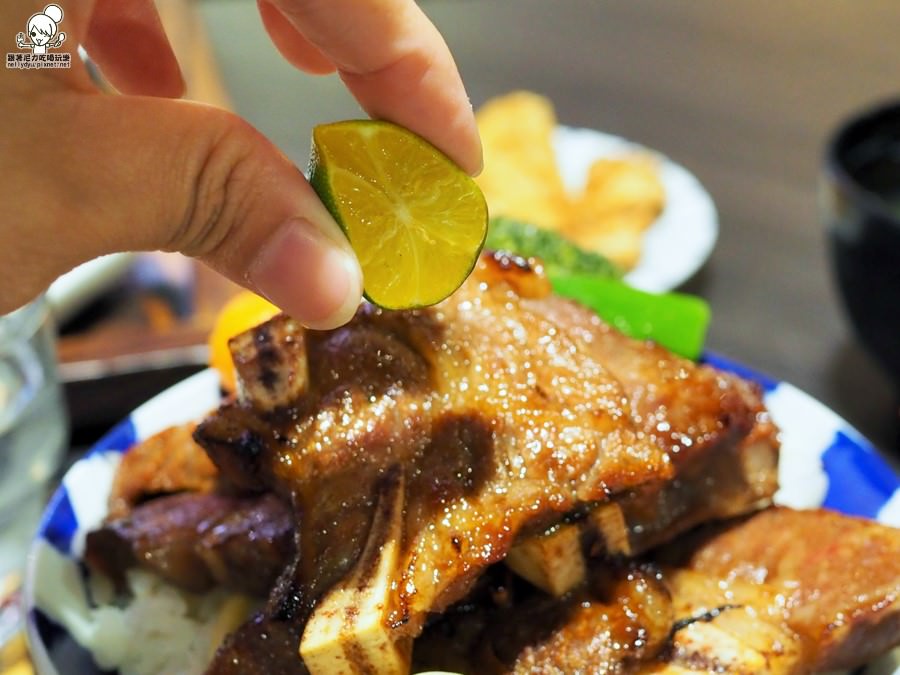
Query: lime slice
{"points": [[416, 221]]}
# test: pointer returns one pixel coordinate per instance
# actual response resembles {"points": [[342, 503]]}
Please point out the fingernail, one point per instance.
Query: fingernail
{"points": [[479, 152], [308, 275], [474, 168]]}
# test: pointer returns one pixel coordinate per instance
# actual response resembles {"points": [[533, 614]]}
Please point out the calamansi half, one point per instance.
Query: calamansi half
{"points": [[416, 221]]}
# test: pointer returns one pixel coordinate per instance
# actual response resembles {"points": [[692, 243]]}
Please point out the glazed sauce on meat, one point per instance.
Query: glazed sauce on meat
{"points": [[500, 422], [499, 407], [623, 616]]}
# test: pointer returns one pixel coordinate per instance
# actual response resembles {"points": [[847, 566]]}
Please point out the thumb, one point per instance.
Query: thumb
{"points": [[105, 174]]}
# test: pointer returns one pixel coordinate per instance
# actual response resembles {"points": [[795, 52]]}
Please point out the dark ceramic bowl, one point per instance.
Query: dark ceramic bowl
{"points": [[861, 208]]}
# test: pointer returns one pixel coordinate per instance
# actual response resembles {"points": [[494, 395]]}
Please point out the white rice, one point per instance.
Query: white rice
{"points": [[159, 628]]}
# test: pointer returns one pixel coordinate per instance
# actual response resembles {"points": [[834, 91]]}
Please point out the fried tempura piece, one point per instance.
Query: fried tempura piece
{"points": [[622, 183], [520, 178], [621, 199]]}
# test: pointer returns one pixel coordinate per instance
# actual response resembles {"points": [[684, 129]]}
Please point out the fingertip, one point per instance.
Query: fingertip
{"points": [[290, 42], [474, 162], [309, 275], [460, 140], [478, 165], [344, 309]]}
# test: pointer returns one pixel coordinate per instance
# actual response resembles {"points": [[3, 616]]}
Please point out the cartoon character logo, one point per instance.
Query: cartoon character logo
{"points": [[43, 29]]}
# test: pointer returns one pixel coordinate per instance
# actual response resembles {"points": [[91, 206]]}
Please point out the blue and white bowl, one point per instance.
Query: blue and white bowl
{"points": [[824, 462]]}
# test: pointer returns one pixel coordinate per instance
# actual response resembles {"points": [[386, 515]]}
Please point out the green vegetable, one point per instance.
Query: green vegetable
{"points": [[559, 255], [674, 320]]}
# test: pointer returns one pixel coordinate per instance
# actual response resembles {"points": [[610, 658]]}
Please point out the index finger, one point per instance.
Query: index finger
{"points": [[396, 64]]}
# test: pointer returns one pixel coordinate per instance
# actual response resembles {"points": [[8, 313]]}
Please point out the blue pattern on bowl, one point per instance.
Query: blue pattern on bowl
{"points": [[860, 481]]}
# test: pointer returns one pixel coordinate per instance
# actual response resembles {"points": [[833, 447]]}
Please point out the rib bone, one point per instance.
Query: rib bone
{"points": [[552, 562], [271, 366], [348, 632]]}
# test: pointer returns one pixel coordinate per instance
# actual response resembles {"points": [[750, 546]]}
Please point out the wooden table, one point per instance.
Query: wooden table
{"points": [[743, 93]]}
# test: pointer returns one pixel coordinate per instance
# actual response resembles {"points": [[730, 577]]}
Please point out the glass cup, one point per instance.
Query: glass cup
{"points": [[861, 208], [33, 436]]}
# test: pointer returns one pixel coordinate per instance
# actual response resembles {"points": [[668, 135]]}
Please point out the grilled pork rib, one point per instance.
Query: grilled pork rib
{"points": [[496, 417], [838, 578], [622, 616], [198, 542], [756, 596], [713, 426], [168, 462], [497, 408], [722, 445]]}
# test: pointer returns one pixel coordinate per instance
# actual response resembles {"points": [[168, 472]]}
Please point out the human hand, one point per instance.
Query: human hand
{"points": [[85, 174]]}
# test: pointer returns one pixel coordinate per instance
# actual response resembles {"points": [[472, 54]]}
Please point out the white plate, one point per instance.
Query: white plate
{"points": [[678, 243], [76, 288]]}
